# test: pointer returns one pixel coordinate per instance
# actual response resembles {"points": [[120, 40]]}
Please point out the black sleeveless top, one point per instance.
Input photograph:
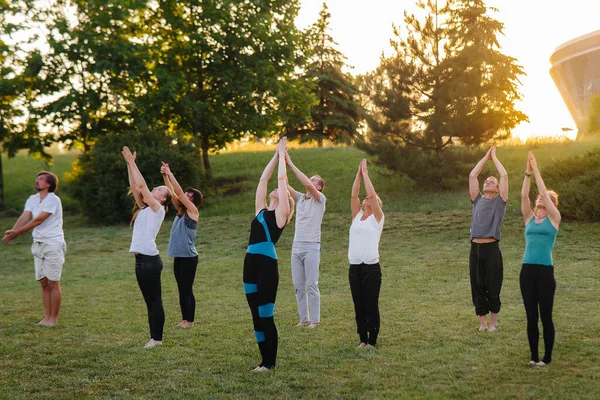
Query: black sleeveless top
{"points": [[257, 230]]}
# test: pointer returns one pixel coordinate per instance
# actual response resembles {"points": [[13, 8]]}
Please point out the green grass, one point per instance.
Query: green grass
{"points": [[428, 348]]}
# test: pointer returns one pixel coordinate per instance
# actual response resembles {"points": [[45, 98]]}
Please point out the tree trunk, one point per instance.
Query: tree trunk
{"points": [[320, 141], [205, 160], [2, 205]]}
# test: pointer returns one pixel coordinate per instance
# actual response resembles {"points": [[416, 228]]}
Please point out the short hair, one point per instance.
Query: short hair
{"points": [[197, 196], [51, 178]]}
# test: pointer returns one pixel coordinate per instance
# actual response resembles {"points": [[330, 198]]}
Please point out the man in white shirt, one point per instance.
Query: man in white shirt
{"points": [[43, 216]]}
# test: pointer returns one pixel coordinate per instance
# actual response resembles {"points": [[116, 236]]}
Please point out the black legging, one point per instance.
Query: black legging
{"points": [[261, 278], [147, 272], [365, 284], [185, 272], [538, 287]]}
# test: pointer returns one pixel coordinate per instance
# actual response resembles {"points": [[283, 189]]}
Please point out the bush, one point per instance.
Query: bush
{"points": [[577, 181], [99, 179], [449, 170]]}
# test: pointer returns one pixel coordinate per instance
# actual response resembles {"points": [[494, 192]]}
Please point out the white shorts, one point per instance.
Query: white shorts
{"points": [[49, 259]]}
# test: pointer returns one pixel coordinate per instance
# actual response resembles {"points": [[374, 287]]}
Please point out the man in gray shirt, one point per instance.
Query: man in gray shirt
{"points": [[306, 250], [485, 261]]}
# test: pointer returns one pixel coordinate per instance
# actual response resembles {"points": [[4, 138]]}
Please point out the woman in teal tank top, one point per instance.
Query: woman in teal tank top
{"points": [[537, 274]]}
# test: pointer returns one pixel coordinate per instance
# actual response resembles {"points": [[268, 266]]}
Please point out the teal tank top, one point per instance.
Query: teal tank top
{"points": [[539, 241]]}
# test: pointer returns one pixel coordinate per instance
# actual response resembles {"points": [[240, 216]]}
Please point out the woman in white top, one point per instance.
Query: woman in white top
{"points": [[363, 255], [146, 224]]}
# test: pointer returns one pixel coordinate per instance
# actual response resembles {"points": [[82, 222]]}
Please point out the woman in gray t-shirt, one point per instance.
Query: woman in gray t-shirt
{"points": [[182, 243]]}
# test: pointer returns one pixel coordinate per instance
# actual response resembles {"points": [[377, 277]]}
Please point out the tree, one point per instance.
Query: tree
{"points": [[222, 69], [336, 113], [18, 130], [594, 115], [447, 84], [90, 66]]}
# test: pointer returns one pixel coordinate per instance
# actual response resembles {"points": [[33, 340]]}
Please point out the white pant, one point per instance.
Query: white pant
{"points": [[305, 276]]}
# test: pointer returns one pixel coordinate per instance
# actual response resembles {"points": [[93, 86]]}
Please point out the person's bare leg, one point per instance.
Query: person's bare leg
{"points": [[483, 323], [55, 302], [45, 300], [494, 322]]}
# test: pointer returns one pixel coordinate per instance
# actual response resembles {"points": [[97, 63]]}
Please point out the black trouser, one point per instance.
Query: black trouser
{"points": [[147, 272], [365, 284], [185, 272], [261, 278], [538, 287], [486, 270]]}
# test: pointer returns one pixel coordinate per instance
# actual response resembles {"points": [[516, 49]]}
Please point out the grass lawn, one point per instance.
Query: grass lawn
{"points": [[429, 346]]}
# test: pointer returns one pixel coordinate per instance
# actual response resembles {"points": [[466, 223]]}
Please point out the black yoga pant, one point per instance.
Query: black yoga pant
{"points": [[537, 288], [185, 272], [486, 270], [365, 285], [147, 272], [261, 278]]}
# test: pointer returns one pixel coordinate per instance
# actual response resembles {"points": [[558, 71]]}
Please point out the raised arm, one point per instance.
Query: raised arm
{"points": [[314, 192], [375, 206], [190, 207], [175, 199], [354, 200], [474, 175], [525, 200], [130, 158], [138, 179], [282, 211], [553, 212], [260, 200], [503, 175]]}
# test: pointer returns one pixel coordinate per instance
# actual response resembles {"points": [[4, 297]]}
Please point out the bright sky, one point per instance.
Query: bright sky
{"points": [[533, 29]]}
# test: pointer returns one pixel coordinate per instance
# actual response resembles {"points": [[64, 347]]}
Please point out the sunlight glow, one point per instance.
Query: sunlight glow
{"points": [[532, 31]]}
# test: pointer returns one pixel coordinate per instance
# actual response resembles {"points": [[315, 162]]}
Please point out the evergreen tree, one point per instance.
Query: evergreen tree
{"points": [[336, 113], [447, 83]]}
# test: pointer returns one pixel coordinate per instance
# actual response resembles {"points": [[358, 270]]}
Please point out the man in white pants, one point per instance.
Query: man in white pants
{"points": [[306, 250], [43, 215]]}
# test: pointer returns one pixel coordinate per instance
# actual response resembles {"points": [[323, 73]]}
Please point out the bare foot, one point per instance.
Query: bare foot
{"points": [[43, 322], [313, 325], [303, 323], [152, 343], [260, 368], [369, 346], [187, 324], [493, 328], [362, 345], [483, 328]]}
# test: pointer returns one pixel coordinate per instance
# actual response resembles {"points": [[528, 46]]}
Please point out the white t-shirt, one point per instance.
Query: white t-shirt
{"points": [[145, 228], [51, 230], [309, 216], [364, 239]]}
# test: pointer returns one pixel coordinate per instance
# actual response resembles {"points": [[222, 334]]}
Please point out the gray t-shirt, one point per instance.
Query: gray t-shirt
{"points": [[487, 217], [309, 215]]}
